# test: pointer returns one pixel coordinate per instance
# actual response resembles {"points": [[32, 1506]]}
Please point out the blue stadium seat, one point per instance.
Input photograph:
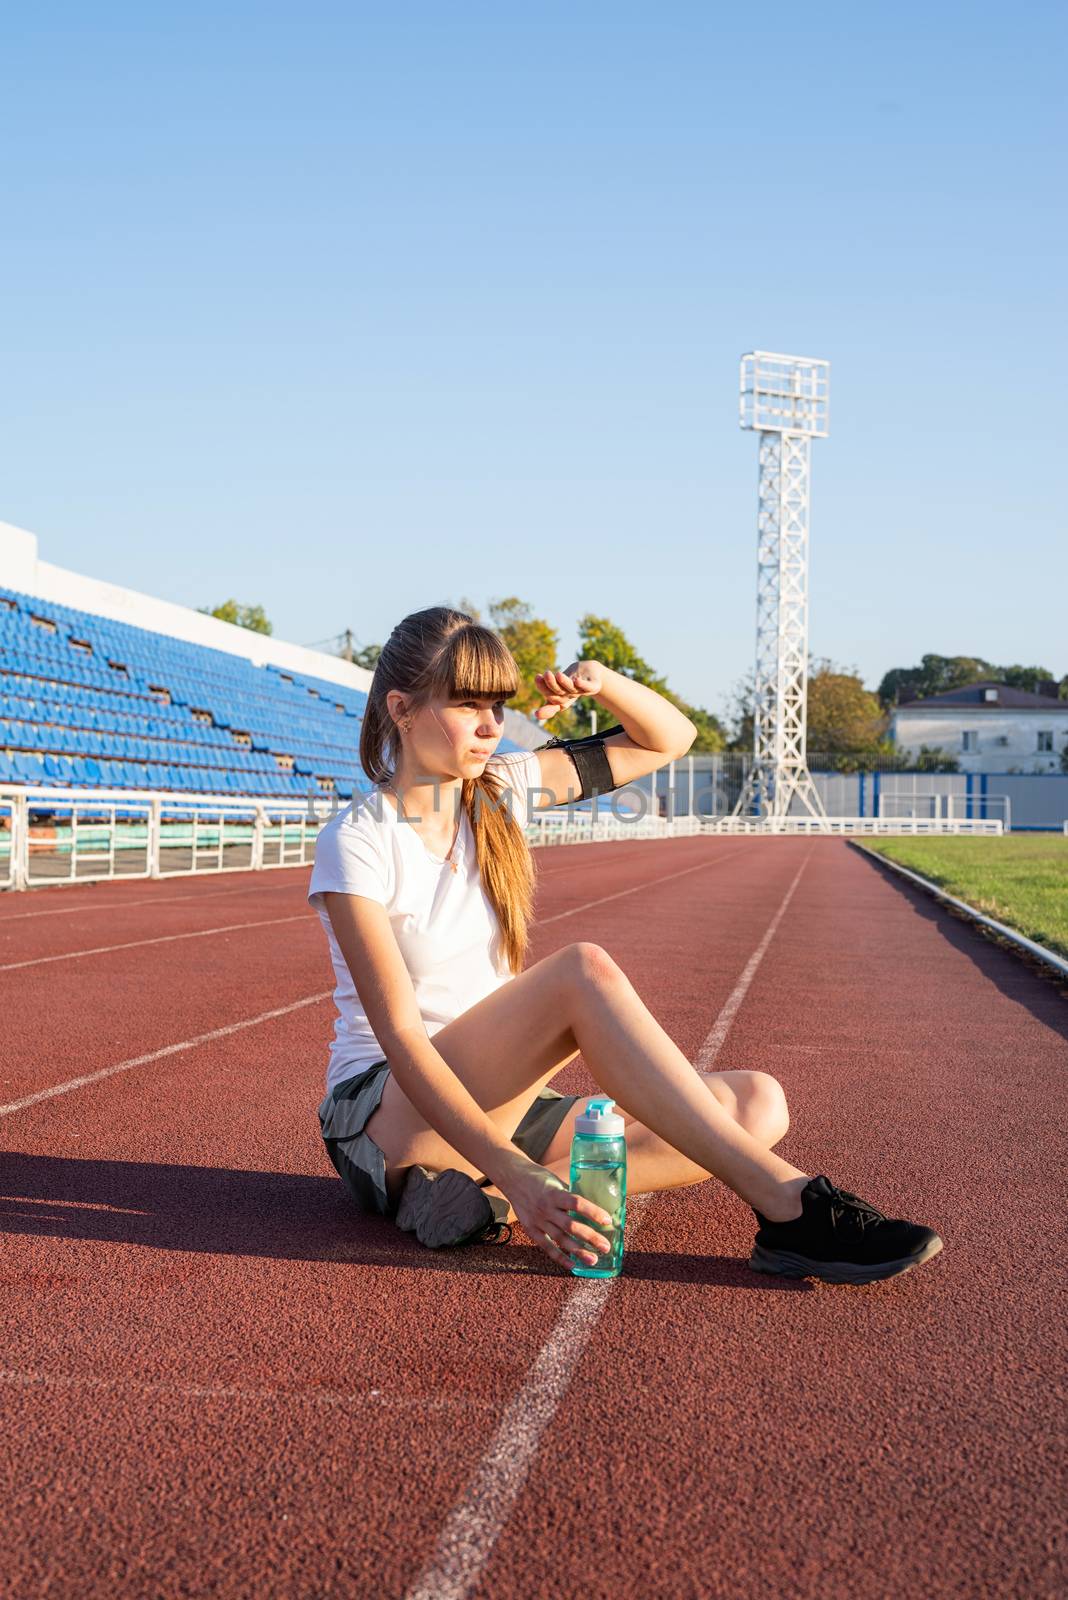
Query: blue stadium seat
{"points": [[59, 768], [31, 768], [118, 732]]}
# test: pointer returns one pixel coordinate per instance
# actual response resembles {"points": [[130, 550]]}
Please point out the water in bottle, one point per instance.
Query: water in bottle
{"points": [[599, 1173]]}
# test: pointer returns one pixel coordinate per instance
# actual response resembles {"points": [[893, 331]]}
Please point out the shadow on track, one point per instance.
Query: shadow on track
{"points": [[1017, 975], [281, 1216]]}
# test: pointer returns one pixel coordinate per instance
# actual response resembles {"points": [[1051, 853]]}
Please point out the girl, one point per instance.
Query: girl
{"points": [[438, 1111]]}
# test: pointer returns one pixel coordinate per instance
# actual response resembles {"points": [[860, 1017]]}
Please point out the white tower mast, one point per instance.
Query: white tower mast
{"points": [[786, 399]]}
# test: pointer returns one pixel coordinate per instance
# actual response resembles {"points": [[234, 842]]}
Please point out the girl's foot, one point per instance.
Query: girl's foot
{"points": [[841, 1239], [449, 1208]]}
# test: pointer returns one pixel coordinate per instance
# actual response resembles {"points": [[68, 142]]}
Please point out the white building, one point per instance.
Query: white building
{"points": [[988, 727]]}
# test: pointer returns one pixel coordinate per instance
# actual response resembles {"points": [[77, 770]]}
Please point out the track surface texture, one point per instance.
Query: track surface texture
{"points": [[218, 1378]]}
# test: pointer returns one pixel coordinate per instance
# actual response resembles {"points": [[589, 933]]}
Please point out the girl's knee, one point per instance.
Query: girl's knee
{"points": [[762, 1106], [591, 964]]}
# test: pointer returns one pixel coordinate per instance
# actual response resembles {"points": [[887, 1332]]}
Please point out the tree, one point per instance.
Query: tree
{"points": [[842, 714], [937, 674], [846, 727], [535, 644], [252, 617], [711, 735], [740, 713], [1025, 677], [932, 758], [602, 640]]}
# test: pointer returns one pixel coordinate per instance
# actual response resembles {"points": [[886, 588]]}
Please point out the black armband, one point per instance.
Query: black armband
{"points": [[589, 760]]}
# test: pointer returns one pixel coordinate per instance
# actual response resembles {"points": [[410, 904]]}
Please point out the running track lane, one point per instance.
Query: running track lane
{"points": [[895, 1439], [801, 1439], [163, 1209]]}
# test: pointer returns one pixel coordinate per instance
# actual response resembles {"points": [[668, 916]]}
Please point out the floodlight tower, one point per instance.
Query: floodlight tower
{"points": [[786, 399]]}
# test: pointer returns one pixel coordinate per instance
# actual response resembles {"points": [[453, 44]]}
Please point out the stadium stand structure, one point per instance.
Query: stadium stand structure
{"points": [[90, 702]]}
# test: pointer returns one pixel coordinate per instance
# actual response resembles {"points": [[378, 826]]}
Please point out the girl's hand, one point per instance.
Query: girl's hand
{"points": [[562, 689], [543, 1203]]}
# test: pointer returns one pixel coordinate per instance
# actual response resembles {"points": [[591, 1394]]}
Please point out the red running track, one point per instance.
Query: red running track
{"points": [[219, 1379]]}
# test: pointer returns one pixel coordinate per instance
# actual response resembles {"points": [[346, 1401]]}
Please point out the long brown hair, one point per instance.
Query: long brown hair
{"points": [[440, 653]]}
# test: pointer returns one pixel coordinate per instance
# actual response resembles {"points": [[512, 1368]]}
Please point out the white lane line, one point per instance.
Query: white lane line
{"points": [[156, 1055], [714, 1043], [158, 900], [184, 1391], [702, 866], [165, 938], [475, 1522]]}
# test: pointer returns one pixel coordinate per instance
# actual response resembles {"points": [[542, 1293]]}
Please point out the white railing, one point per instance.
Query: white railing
{"points": [[556, 828], [138, 833], [12, 817], [947, 806], [838, 826]]}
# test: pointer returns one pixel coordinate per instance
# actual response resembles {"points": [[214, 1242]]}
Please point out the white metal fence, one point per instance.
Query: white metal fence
{"points": [[943, 806], [555, 827], [130, 833], [840, 826]]}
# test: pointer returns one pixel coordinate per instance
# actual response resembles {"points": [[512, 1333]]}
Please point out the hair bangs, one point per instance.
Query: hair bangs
{"points": [[477, 665]]}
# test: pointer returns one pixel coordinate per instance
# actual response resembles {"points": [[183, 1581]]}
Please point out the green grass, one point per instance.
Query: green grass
{"points": [[1021, 879]]}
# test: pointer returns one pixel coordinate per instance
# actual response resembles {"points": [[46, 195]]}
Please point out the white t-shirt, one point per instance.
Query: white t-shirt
{"points": [[443, 921]]}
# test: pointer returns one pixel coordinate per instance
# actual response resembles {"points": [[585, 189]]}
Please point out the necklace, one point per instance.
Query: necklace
{"points": [[456, 835]]}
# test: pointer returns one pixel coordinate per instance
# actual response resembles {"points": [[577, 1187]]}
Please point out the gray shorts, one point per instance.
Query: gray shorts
{"points": [[347, 1108]]}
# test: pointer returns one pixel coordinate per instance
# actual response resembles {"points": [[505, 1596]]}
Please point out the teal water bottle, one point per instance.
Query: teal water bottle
{"points": [[599, 1173]]}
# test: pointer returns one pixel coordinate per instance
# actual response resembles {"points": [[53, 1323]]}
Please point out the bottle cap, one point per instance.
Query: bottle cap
{"points": [[598, 1121]]}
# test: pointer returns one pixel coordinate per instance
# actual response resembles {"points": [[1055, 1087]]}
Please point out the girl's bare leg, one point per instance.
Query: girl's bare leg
{"points": [[642, 1068], [511, 1043], [754, 1099]]}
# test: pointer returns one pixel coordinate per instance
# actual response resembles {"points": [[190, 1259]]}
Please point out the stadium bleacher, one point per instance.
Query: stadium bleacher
{"points": [[92, 703], [177, 757]]}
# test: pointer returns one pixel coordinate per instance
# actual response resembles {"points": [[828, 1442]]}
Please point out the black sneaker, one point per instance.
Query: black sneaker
{"points": [[447, 1208], [840, 1238]]}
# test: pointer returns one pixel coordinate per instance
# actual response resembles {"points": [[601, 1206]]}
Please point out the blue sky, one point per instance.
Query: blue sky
{"points": [[351, 309]]}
